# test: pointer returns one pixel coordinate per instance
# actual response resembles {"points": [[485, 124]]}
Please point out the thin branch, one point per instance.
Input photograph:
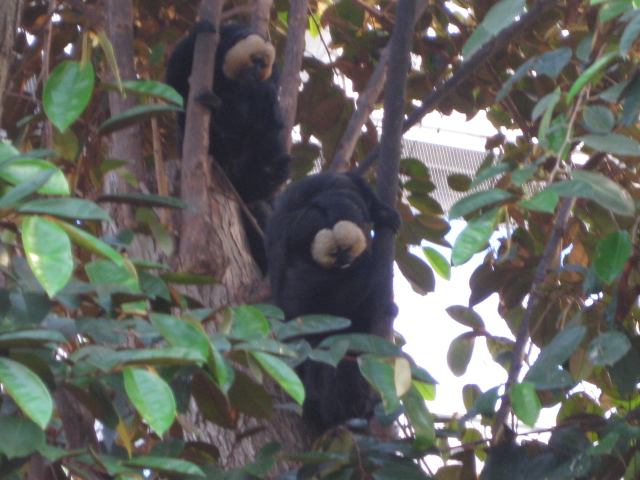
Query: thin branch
{"points": [[535, 294], [260, 16], [483, 55], [364, 106], [390, 148], [290, 81]]}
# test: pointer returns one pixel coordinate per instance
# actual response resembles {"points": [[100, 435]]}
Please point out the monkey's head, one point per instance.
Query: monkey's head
{"points": [[339, 246], [249, 60]]}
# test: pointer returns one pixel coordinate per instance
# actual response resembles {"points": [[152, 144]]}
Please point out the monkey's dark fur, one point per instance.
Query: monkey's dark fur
{"points": [[244, 133], [318, 264]]}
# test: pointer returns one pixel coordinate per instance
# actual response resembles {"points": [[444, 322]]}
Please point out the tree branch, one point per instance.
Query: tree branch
{"points": [[290, 79], [390, 148], [483, 55]]}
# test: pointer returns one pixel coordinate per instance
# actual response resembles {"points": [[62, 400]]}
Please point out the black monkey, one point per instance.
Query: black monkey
{"points": [[320, 262], [244, 133], [246, 120]]}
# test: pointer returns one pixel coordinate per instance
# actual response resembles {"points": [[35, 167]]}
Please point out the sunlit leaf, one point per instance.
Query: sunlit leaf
{"points": [[27, 390], [281, 373], [67, 92], [421, 419], [438, 262], [612, 254], [73, 208], [48, 250], [19, 171], [474, 237], [180, 333], [26, 188], [473, 202], [525, 401], [151, 396], [589, 74]]}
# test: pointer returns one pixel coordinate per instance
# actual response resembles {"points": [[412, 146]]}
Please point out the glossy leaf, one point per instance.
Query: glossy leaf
{"points": [[477, 200], [613, 143], [20, 437], [153, 89], [281, 373], [27, 390], [145, 200], [20, 171], [91, 243], [151, 395], [67, 93], [249, 323], [26, 188], [173, 466], [588, 75], [135, 115], [379, 372], [611, 255], [608, 348], [73, 208], [525, 401], [48, 250], [438, 262], [459, 353], [544, 201], [421, 419], [310, 324], [474, 237], [170, 356], [598, 188], [465, 316], [180, 333], [630, 34], [562, 346]]}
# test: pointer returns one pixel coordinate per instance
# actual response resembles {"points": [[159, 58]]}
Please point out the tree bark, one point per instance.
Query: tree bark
{"points": [[10, 11]]}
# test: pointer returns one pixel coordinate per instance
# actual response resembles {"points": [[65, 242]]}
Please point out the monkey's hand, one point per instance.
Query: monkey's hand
{"points": [[209, 100], [386, 216]]}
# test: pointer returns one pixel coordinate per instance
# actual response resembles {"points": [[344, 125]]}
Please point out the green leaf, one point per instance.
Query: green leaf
{"points": [[420, 418], [20, 437], [135, 115], [416, 271], [27, 390], [90, 243], [67, 93], [180, 333], [459, 353], [438, 262], [521, 175], [152, 88], [19, 171], [48, 250], [546, 104], [173, 466], [465, 316], [478, 38], [249, 323], [490, 172], [546, 377], [281, 373], [151, 395], [380, 373], [598, 188], [459, 182], [485, 403], [561, 347], [26, 188], [608, 348], [553, 62], [474, 237], [502, 14], [30, 338], [613, 143], [477, 200], [310, 324], [545, 201], [73, 208], [595, 68], [171, 356], [525, 401], [630, 34], [611, 255], [145, 200], [599, 119]]}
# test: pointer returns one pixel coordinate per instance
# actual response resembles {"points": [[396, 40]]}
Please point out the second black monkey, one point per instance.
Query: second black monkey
{"points": [[320, 262]]}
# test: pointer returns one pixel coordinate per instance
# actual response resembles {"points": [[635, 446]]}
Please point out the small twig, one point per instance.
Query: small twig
{"points": [[483, 55]]}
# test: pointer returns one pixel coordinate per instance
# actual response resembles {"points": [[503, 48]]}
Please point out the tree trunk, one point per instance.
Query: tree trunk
{"points": [[10, 11]]}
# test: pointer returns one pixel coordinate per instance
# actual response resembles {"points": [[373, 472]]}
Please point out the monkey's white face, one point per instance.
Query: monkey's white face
{"points": [[339, 246], [250, 59]]}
